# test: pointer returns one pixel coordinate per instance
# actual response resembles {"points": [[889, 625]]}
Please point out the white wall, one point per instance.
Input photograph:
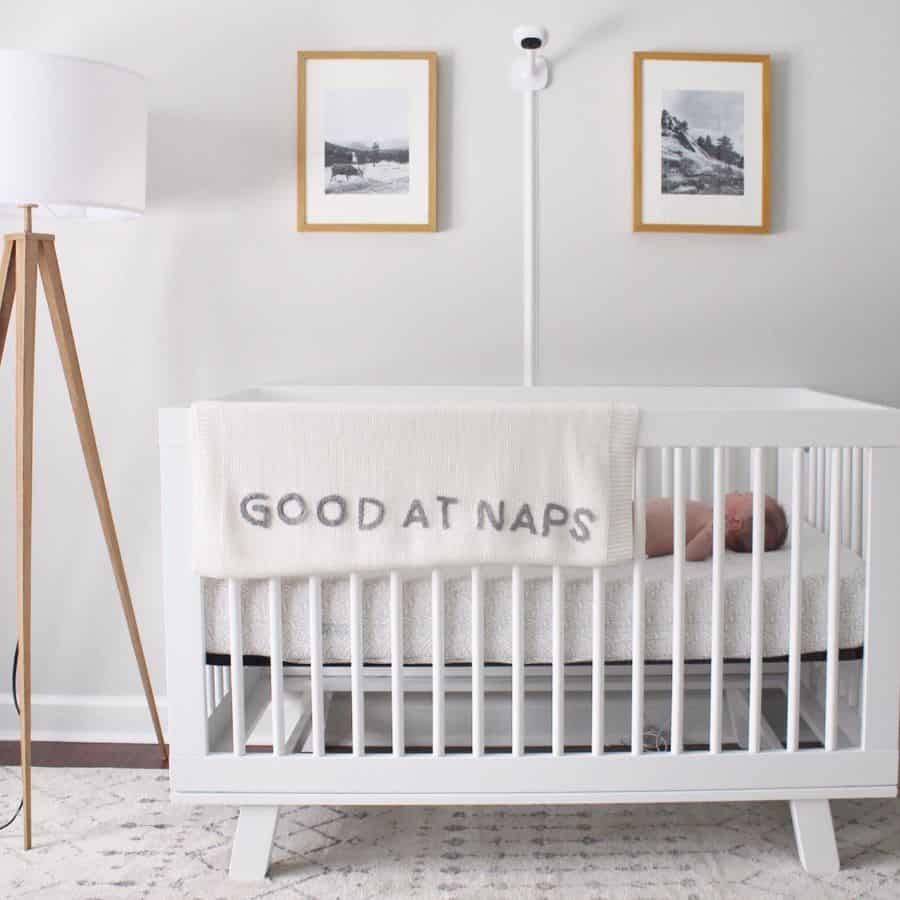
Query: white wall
{"points": [[214, 290]]}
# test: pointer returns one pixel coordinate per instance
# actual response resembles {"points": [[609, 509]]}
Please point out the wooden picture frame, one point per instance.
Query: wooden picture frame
{"points": [[657, 209], [421, 181]]}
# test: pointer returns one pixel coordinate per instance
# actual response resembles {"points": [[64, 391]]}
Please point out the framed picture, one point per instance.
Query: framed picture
{"points": [[701, 142], [366, 141]]}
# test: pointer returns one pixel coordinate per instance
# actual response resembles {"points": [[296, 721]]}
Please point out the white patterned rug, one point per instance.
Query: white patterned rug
{"points": [[109, 833]]}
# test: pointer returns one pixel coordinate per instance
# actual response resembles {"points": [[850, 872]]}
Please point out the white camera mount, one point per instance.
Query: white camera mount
{"points": [[531, 71]]}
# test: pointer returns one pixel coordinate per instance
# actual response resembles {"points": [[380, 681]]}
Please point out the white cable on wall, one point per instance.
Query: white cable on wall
{"points": [[529, 75]]}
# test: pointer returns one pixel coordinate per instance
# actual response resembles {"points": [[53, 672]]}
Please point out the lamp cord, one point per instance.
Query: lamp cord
{"points": [[15, 666]]}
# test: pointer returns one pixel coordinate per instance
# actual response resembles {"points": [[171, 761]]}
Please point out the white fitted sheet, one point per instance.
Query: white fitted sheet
{"points": [[537, 609]]}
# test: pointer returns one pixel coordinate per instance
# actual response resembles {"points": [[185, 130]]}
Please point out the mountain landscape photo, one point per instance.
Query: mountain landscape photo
{"points": [[702, 142]]}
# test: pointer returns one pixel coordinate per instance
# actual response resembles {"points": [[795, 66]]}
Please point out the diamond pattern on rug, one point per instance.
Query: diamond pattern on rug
{"points": [[110, 833]]}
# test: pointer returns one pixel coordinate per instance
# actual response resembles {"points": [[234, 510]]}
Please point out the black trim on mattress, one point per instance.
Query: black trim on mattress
{"points": [[505, 750], [845, 655]]}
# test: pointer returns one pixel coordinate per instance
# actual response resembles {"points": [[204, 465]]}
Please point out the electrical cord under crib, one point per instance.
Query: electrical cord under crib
{"points": [[656, 739], [15, 666]]}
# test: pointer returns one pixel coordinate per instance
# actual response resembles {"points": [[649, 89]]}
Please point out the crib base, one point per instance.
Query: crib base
{"points": [[800, 731], [251, 851]]}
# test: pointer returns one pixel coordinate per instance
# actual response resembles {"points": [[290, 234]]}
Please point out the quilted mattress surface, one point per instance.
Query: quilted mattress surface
{"points": [[617, 605]]}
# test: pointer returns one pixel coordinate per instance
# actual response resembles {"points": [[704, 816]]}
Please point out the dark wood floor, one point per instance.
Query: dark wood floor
{"points": [[72, 754]]}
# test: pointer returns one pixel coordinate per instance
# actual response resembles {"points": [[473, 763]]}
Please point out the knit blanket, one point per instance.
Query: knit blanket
{"points": [[286, 489]]}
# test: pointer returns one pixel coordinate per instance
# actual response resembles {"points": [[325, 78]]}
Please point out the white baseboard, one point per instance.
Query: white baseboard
{"points": [[122, 719]]}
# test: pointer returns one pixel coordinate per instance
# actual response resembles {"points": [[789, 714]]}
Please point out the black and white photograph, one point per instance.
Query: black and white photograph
{"points": [[702, 142], [367, 141]]}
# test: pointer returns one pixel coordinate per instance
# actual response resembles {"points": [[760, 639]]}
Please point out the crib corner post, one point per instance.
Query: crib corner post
{"points": [[881, 664], [183, 597], [251, 852], [814, 833]]}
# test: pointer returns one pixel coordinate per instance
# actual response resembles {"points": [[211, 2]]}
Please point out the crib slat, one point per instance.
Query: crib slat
{"points": [[834, 596], [477, 664], [598, 649], [218, 685], [397, 736], [357, 696], [558, 686], [695, 474], [829, 458], [437, 663], [667, 471], [794, 657], [276, 667], [811, 485], [237, 667], [856, 501], [518, 665], [314, 590], [846, 496], [637, 603], [678, 525], [865, 539], [820, 488], [853, 685], [718, 586], [757, 464], [210, 690]]}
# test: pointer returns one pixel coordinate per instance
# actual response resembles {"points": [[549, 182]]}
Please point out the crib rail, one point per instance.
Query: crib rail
{"points": [[822, 486]]}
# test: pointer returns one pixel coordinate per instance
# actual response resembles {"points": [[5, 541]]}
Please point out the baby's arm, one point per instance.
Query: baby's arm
{"points": [[699, 547]]}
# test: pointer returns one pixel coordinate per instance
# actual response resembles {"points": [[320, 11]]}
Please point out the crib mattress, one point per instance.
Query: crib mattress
{"points": [[537, 612]]}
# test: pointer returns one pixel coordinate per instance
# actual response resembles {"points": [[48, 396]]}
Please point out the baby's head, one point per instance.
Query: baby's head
{"points": [[739, 523]]}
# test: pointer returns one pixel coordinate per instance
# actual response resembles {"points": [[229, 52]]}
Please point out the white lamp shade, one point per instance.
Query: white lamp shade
{"points": [[74, 135]]}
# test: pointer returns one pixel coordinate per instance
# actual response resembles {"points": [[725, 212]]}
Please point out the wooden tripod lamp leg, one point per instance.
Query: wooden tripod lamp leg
{"points": [[26, 300], [7, 288], [62, 329]]}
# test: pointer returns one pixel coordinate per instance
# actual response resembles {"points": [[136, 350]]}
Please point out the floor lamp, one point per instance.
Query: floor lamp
{"points": [[75, 139]]}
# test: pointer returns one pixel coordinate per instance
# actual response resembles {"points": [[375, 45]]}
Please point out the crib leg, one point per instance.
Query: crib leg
{"points": [[252, 848], [814, 833]]}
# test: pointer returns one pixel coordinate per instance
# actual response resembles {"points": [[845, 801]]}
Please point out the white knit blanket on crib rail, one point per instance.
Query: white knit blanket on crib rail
{"points": [[283, 489]]}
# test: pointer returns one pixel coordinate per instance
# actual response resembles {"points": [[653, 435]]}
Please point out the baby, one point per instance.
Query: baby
{"points": [[699, 526]]}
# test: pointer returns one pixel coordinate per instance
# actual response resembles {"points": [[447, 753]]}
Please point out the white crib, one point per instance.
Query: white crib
{"points": [[806, 726]]}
